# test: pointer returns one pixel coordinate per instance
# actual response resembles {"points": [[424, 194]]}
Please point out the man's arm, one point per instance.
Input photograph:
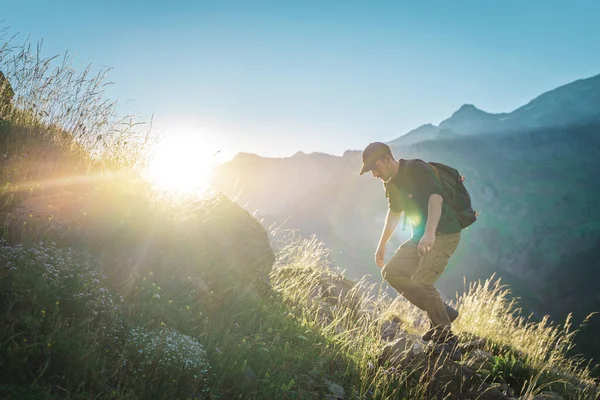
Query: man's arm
{"points": [[431, 187], [434, 212], [391, 222]]}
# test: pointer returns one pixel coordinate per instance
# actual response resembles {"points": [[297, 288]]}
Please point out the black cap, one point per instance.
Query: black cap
{"points": [[373, 152]]}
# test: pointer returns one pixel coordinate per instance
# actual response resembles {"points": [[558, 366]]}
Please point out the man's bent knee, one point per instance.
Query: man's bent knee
{"points": [[399, 280]]}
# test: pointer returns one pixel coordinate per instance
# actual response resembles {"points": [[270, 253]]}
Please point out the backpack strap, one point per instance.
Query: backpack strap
{"points": [[404, 165]]}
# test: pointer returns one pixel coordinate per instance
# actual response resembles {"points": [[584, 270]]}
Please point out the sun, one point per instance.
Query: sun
{"points": [[183, 161]]}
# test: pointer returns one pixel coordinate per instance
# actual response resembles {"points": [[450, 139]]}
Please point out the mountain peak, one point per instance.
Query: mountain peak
{"points": [[468, 109]]}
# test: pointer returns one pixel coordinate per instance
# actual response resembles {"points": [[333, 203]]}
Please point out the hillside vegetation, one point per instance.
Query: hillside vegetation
{"points": [[110, 291]]}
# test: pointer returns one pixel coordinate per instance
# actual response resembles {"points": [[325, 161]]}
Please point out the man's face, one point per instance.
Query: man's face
{"points": [[383, 169]]}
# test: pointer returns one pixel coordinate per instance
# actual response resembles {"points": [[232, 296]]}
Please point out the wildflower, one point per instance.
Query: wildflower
{"points": [[49, 344], [170, 301], [162, 323], [156, 296], [151, 273], [57, 302], [187, 307], [24, 340], [43, 313]]}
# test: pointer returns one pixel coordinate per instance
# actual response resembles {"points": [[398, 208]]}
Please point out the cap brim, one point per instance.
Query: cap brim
{"points": [[365, 168]]}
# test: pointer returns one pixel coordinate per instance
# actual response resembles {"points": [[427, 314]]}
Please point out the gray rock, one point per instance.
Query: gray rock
{"points": [[336, 392], [6, 93], [543, 396], [399, 351], [471, 345], [455, 381], [389, 330], [249, 377], [479, 358]]}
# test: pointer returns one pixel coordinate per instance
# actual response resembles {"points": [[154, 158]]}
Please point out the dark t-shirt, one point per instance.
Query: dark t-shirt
{"points": [[412, 197]]}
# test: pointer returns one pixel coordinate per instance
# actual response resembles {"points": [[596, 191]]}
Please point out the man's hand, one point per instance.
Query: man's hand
{"points": [[380, 256], [426, 244]]}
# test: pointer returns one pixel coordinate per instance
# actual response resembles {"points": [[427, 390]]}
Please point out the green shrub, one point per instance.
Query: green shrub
{"points": [[167, 358], [58, 323]]}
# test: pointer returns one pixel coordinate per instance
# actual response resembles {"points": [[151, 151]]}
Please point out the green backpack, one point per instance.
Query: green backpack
{"points": [[456, 193]]}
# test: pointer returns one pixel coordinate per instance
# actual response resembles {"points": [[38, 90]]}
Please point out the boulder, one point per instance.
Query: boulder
{"points": [[389, 330], [450, 380], [401, 352], [543, 396], [480, 359], [235, 230], [335, 391]]}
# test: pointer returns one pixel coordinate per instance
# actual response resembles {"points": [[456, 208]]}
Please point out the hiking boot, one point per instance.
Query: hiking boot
{"points": [[452, 315], [445, 350], [445, 345]]}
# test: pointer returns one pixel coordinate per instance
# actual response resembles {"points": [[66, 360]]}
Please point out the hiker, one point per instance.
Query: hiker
{"points": [[415, 188]]}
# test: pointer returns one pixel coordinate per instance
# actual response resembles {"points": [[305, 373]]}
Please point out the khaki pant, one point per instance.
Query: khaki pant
{"points": [[414, 276]]}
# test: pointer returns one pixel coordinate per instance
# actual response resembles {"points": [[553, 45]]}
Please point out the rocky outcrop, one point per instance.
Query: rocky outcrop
{"points": [[214, 235], [6, 95], [237, 237]]}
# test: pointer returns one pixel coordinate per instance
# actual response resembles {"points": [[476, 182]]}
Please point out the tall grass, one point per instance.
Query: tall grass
{"points": [[488, 310], [61, 124], [351, 315]]}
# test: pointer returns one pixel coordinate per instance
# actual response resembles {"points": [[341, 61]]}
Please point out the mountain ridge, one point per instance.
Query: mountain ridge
{"points": [[575, 101]]}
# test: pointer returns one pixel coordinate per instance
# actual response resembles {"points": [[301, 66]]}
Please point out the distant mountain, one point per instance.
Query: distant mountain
{"points": [[274, 184], [575, 103]]}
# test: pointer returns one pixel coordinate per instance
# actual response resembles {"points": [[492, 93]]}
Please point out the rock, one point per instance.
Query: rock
{"points": [[389, 330], [401, 351], [480, 359], [455, 381], [315, 295], [249, 377], [325, 313], [336, 392], [543, 396], [471, 345], [232, 227], [6, 94]]}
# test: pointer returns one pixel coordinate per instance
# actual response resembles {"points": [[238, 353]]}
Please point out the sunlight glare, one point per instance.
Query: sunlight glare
{"points": [[183, 161]]}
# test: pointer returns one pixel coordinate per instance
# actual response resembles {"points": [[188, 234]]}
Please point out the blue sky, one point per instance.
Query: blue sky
{"points": [[278, 77]]}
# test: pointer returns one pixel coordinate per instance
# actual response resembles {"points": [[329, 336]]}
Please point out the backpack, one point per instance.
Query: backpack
{"points": [[456, 193]]}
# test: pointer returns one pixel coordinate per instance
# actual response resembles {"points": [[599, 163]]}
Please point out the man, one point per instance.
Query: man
{"points": [[413, 188]]}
